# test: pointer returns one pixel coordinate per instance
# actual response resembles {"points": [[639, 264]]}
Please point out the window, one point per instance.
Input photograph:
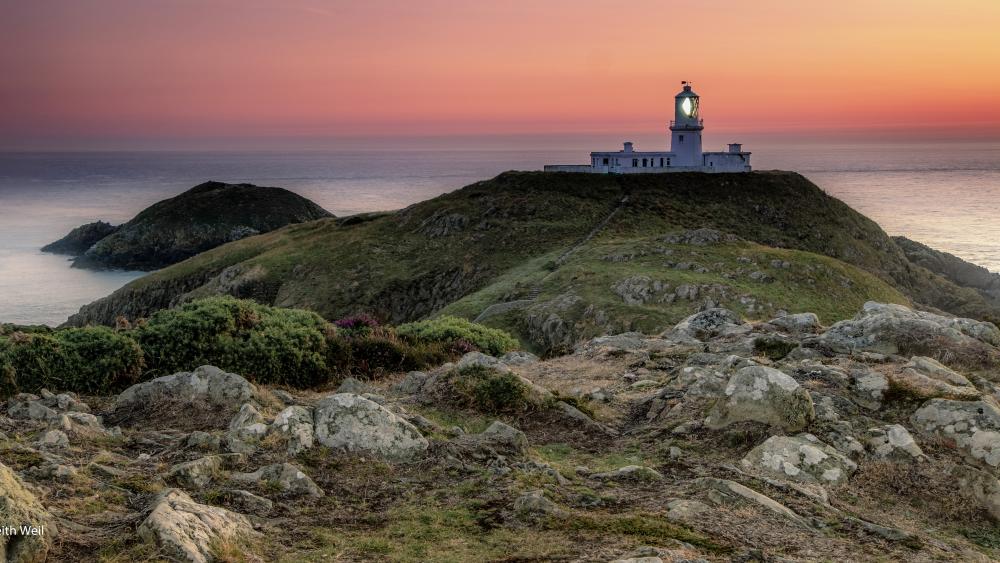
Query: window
{"points": [[680, 138], [635, 162], [661, 162], [644, 163], [668, 162], [605, 162]]}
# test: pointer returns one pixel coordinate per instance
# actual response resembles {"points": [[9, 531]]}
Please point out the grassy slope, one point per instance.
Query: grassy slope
{"points": [[420, 260]]}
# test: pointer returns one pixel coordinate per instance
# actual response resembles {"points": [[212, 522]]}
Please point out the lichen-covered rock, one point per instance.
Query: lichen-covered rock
{"points": [[710, 323], [283, 476], [201, 472], [724, 491], [533, 505], [19, 508], [351, 423], [926, 378], [245, 430], [500, 438], [980, 485], [295, 425], [685, 510], [892, 329], [518, 358], [630, 473], [798, 323], [207, 385], [766, 395], [974, 426], [893, 441], [869, 388], [800, 458], [187, 531]]}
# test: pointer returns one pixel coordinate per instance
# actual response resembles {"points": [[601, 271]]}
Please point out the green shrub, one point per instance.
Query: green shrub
{"points": [[92, 360], [373, 355], [491, 391], [264, 344], [451, 330]]}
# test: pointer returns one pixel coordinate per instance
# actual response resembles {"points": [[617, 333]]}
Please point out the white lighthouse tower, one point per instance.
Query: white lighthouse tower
{"points": [[685, 154], [685, 129]]}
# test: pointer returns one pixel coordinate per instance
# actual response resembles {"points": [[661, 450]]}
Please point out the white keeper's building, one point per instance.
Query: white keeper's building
{"points": [[685, 153]]}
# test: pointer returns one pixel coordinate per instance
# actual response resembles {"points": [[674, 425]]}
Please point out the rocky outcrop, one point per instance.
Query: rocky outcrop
{"points": [[765, 395], [188, 531], [952, 268], [80, 239], [800, 458], [206, 387], [710, 323], [29, 530], [895, 329], [206, 216], [355, 424], [974, 426]]}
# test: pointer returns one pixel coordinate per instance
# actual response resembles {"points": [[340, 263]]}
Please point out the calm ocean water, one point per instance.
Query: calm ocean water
{"points": [[944, 195]]}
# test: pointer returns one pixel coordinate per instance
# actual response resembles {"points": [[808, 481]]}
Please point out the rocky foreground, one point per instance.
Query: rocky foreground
{"points": [[877, 438]]}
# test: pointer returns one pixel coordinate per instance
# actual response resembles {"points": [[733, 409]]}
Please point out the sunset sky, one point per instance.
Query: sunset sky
{"points": [[79, 73]]}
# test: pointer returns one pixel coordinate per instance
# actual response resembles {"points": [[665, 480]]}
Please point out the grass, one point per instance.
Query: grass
{"points": [[517, 223], [434, 532], [566, 458]]}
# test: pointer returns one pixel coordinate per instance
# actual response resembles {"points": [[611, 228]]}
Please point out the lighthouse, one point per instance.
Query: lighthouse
{"points": [[685, 129], [685, 154]]}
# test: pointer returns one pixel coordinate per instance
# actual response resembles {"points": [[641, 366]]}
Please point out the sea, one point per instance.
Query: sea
{"points": [[946, 194]]}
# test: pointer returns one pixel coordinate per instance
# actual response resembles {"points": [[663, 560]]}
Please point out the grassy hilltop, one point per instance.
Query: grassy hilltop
{"points": [[571, 254]]}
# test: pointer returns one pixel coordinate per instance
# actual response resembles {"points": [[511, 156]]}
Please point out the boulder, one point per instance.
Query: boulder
{"points": [[19, 508], [411, 384], [206, 386], [630, 473], [893, 441], [295, 426], [351, 423], [724, 491], [533, 505], [54, 439], [284, 476], [981, 486], [518, 358], [766, 395], [504, 439], [894, 329], [201, 472], [868, 388], [685, 510], [245, 430], [188, 531], [800, 458], [708, 324], [926, 378], [799, 323], [974, 426]]}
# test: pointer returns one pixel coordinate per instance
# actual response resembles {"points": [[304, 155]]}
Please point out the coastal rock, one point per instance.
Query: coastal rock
{"points": [[80, 239], [284, 476], [926, 378], [709, 324], [206, 216], [893, 441], [295, 426], [974, 426], [630, 473], [800, 458], [799, 323], [245, 430], [765, 395], [207, 387], [18, 507], [890, 328], [351, 423], [187, 531]]}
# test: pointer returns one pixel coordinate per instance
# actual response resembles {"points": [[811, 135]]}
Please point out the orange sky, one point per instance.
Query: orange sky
{"points": [[80, 71]]}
